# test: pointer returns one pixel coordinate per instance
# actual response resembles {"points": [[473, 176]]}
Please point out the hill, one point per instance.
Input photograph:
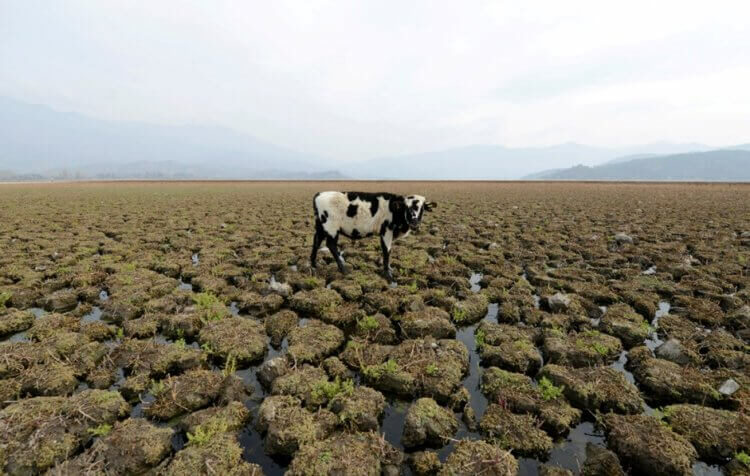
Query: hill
{"points": [[717, 165], [39, 141]]}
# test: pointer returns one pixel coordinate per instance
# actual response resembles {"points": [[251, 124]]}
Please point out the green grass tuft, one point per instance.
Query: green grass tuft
{"points": [[549, 390]]}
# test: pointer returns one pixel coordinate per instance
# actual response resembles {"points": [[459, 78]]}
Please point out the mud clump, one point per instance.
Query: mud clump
{"points": [[478, 457], [190, 391], [279, 324], [601, 462], [257, 305], [315, 303], [510, 431], [347, 453], [423, 367], [238, 338], [98, 331], [424, 463], [13, 320], [300, 382], [37, 433], [623, 322], [314, 342], [518, 394], [49, 325], [508, 347], [633, 438], [217, 452], [550, 470], [376, 328], [154, 359], [595, 389], [470, 310], [61, 301], [359, 408], [583, 349], [715, 434], [233, 416], [427, 423], [288, 426], [668, 382], [271, 369], [430, 321], [132, 446]]}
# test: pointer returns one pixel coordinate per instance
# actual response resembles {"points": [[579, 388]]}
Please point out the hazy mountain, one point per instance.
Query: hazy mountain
{"points": [[39, 140], [627, 158], [716, 165], [495, 162]]}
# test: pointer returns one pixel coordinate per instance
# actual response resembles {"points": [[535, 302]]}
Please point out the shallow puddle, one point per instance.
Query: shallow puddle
{"points": [[93, 316], [184, 286], [474, 282], [619, 365], [653, 340]]}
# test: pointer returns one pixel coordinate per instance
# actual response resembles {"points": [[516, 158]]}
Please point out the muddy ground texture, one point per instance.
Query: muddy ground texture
{"points": [[548, 329]]}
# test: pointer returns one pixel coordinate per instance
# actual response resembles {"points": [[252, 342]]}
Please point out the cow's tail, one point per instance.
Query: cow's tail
{"points": [[315, 207]]}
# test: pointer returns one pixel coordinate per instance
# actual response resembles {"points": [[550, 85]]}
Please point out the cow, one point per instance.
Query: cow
{"points": [[359, 214]]}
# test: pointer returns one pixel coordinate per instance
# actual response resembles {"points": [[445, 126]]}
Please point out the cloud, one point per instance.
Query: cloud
{"points": [[353, 80]]}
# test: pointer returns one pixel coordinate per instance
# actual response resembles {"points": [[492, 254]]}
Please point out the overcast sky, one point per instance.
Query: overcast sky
{"points": [[353, 79]]}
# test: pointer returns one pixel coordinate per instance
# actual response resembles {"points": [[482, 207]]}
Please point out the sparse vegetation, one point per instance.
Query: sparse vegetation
{"points": [[101, 430], [368, 323], [548, 390], [352, 352]]}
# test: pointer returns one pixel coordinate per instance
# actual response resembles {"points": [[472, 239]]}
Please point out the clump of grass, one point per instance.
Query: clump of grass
{"points": [[157, 387], [600, 348], [329, 390], [180, 343], [375, 372], [230, 366], [743, 458], [5, 297], [101, 430], [204, 433], [368, 323], [120, 333], [211, 307], [549, 390], [459, 314], [479, 339], [312, 282], [205, 300], [432, 370]]}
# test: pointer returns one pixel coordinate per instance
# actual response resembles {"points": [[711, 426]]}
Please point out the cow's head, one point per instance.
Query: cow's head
{"points": [[416, 205]]}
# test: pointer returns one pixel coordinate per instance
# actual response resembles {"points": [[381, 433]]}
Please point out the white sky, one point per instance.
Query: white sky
{"points": [[354, 79]]}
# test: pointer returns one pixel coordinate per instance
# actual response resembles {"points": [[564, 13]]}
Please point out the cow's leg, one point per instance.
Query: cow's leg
{"points": [[386, 239], [317, 240], [334, 248]]}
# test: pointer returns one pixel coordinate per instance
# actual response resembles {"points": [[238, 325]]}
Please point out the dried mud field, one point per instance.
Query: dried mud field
{"points": [[552, 329]]}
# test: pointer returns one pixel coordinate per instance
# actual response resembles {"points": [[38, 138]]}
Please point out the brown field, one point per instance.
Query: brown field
{"points": [[176, 328]]}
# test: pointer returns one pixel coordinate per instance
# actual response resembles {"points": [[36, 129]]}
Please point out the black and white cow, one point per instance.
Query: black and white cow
{"points": [[359, 214]]}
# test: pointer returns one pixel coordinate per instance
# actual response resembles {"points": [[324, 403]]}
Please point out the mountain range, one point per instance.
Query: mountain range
{"points": [[38, 142], [725, 165]]}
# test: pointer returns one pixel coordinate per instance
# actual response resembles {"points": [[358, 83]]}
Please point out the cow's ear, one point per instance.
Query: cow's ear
{"points": [[429, 206]]}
